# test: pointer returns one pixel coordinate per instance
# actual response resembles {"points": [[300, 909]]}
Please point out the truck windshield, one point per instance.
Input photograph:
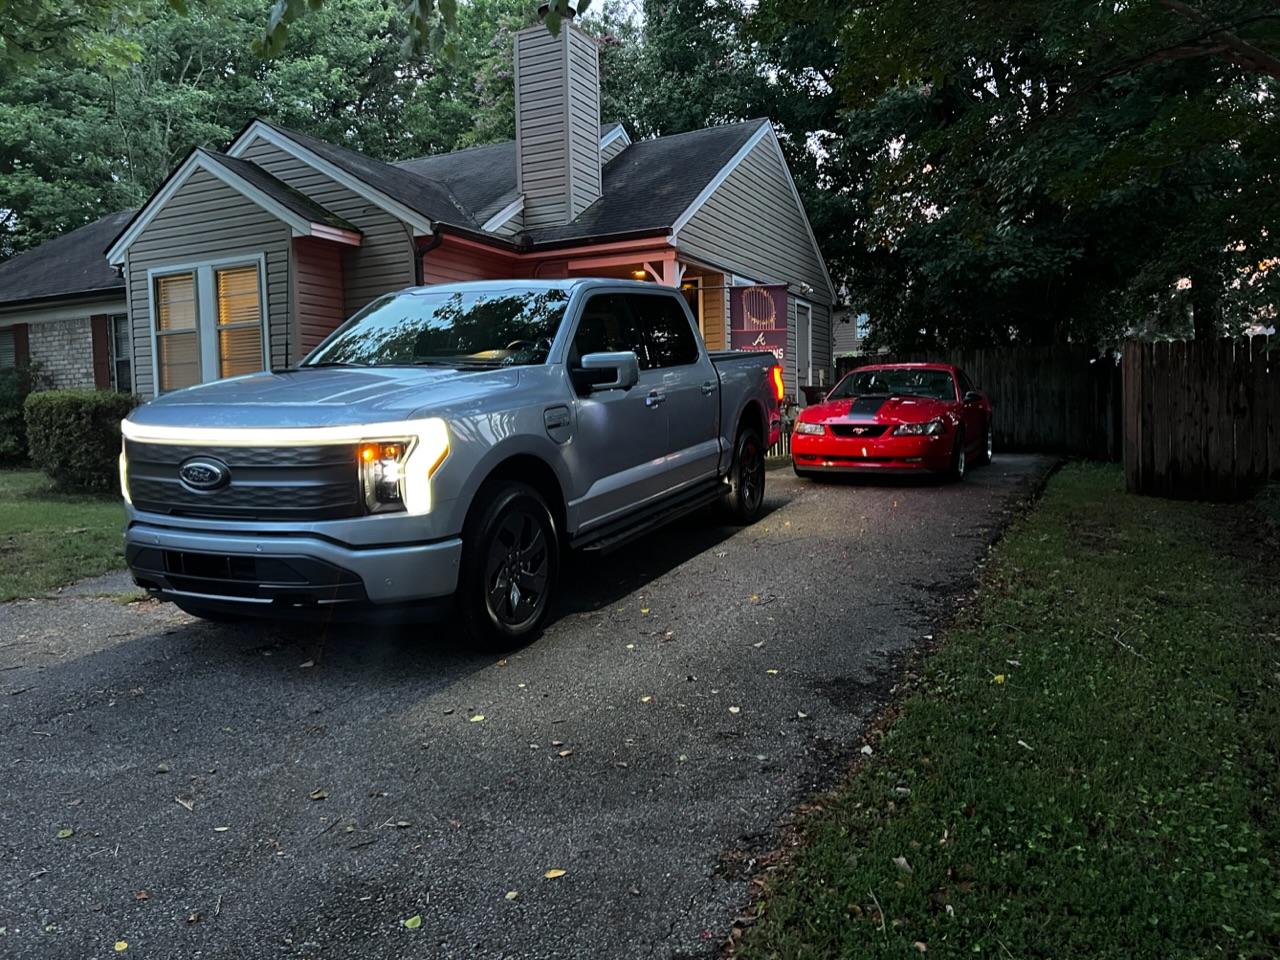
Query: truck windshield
{"points": [[896, 381], [506, 327]]}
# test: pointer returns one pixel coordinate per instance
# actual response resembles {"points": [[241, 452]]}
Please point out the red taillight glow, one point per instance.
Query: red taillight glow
{"points": [[778, 387]]}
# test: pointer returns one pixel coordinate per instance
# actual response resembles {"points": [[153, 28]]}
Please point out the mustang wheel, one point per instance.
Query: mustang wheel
{"points": [[746, 478], [988, 446], [956, 471], [510, 564]]}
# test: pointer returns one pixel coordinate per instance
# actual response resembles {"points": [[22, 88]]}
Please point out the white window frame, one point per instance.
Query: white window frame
{"points": [[206, 311], [113, 350]]}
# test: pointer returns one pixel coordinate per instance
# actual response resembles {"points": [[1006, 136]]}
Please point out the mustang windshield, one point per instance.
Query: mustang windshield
{"points": [[896, 382], [506, 327]]}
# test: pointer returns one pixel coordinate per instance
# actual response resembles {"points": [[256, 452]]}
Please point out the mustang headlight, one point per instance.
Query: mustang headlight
{"points": [[931, 429], [395, 473], [810, 429]]}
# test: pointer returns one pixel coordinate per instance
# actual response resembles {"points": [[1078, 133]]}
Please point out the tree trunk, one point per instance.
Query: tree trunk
{"points": [[1206, 304]]}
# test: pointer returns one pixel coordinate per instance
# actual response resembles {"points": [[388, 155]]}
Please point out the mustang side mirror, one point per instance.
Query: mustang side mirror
{"points": [[973, 396], [595, 369]]}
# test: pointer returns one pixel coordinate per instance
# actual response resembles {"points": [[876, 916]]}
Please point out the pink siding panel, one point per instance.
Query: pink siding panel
{"points": [[451, 263], [318, 290]]}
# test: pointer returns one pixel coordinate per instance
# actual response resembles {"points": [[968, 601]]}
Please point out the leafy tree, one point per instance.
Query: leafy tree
{"points": [[1052, 169]]}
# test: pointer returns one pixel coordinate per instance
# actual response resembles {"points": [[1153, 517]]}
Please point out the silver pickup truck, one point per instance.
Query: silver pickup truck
{"points": [[445, 446]]}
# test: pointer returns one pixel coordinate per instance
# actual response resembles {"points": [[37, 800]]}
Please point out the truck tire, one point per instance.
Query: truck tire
{"points": [[746, 478], [510, 567]]}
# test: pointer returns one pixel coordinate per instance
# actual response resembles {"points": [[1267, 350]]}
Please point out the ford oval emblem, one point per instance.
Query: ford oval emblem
{"points": [[204, 474]]}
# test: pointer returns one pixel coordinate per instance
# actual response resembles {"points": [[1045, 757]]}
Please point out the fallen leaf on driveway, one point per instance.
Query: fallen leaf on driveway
{"points": [[479, 717], [801, 715], [998, 678], [64, 834], [645, 699], [319, 794], [306, 664], [554, 873], [866, 750], [121, 946], [758, 645], [221, 829], [564, 753], [193, 916], [142, 895], [735, 709], [414, 922], [644, 611], [513, 894], [188, 805], [771, 671]]}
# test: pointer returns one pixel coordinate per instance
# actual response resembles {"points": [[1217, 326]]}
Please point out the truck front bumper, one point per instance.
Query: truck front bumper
{"points": [[282, 575]]}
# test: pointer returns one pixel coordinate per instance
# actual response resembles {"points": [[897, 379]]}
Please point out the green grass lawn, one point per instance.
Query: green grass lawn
{"points": [[48, 539], [1088, 767]]}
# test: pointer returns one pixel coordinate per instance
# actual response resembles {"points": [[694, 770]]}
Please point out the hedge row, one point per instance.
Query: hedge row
{"points": [[74, 436]]}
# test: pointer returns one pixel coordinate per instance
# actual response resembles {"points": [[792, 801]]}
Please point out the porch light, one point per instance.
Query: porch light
{"points": [[639, 274]]}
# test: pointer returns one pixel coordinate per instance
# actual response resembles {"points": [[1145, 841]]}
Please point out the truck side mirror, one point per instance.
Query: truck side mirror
{"points": [[595, 369]]}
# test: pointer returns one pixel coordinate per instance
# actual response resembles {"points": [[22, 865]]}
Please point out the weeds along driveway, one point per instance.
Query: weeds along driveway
{"points": [[191, 789]]}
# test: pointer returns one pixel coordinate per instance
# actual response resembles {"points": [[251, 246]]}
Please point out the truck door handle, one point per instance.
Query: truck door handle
{"points": [[654, 398], [708, 388]]}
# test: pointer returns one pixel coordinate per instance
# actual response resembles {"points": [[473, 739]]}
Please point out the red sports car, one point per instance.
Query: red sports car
{"points": [[895, 418]]}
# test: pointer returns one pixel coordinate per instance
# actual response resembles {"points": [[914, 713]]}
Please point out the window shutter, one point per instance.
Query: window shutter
{"points": [[99, 327], [21, 344]]}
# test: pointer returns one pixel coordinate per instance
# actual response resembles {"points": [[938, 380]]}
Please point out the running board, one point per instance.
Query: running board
{"points": [[618, 532]]}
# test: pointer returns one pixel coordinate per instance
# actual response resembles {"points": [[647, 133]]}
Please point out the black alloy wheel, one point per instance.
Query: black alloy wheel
{"points": [[746, 478], [511, 558]]}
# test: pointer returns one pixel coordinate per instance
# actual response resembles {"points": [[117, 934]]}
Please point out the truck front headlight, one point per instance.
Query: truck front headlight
{"points": [[395, 472]]}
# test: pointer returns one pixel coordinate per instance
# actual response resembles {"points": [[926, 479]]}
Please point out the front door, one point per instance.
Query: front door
{"points": [[620, 441]]}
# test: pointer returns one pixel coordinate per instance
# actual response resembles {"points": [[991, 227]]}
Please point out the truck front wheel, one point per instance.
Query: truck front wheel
{"points": [[746, 478], [510, 565]]}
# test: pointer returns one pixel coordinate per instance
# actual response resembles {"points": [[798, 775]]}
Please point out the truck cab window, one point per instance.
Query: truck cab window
{"points": [[670, 335], [607, 325]]}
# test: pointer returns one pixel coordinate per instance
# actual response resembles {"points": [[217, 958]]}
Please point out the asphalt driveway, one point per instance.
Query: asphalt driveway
{"points": [[195, 790]]}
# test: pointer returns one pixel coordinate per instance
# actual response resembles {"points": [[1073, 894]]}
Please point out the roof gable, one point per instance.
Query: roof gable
{"points": [[306, 217], [71, 265]]}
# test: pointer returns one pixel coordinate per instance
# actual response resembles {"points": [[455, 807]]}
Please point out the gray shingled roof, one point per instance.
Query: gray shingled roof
{"points": [[71, 265], [650, 183], [279, 191], [426, 197]]}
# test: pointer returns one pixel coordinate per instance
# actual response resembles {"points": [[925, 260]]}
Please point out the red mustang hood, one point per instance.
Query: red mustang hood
{"points": [[875, 410]]}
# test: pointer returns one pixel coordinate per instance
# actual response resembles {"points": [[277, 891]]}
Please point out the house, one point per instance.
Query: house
{"points": [[62, 308], [245, 259]]}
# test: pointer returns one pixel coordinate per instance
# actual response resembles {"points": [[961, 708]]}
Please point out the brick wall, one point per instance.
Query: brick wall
{"points": [[64, 351]]}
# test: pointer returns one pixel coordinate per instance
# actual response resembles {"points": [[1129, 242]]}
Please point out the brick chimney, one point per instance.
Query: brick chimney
{"points": [[557, 82]]}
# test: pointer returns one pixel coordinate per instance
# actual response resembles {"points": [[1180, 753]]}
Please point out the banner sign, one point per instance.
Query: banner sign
{"points": [[758, 319]]}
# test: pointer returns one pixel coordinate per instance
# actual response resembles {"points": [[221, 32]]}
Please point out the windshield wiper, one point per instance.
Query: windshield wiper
{"points": [[329, 363]]}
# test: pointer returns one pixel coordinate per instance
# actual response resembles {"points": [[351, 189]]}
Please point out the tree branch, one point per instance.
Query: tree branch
{"points": [[1240, 52]]}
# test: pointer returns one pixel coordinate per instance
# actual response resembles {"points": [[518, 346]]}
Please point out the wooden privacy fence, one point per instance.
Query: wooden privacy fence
{"points": [[1201, 417], [1061, 399]]}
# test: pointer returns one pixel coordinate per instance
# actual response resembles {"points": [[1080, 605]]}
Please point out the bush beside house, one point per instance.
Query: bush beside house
{"points": [[15, 384], [74, 436]]}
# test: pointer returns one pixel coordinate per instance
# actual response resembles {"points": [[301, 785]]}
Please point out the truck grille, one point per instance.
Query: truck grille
{"points": [[317, 482]]}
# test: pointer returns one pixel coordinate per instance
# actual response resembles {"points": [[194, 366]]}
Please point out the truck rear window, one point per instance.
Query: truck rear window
{"points": [[506, 327]]}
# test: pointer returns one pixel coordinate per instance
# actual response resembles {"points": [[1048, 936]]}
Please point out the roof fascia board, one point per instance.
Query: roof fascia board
{"points": [[61, 308], [721, 177], [619, 132], [260, 131], [504, 215], [201, 161]]}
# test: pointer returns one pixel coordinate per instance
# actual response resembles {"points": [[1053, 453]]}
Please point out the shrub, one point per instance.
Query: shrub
{"points": [[74, 436], [14, 387]]}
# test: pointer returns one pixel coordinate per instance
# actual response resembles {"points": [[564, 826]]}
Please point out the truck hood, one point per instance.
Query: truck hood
{"points": [[322, 397], [875, 409]]}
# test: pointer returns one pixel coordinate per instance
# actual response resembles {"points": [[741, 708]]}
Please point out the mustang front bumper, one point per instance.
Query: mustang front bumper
{"points": [[885, 454]]}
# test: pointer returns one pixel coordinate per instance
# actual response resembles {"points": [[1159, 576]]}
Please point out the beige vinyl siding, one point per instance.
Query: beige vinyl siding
{"points": [[584, 121], [540, 128], [614, 148], [384, 260], [557, 124], [207, 220], [753, 226]]}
